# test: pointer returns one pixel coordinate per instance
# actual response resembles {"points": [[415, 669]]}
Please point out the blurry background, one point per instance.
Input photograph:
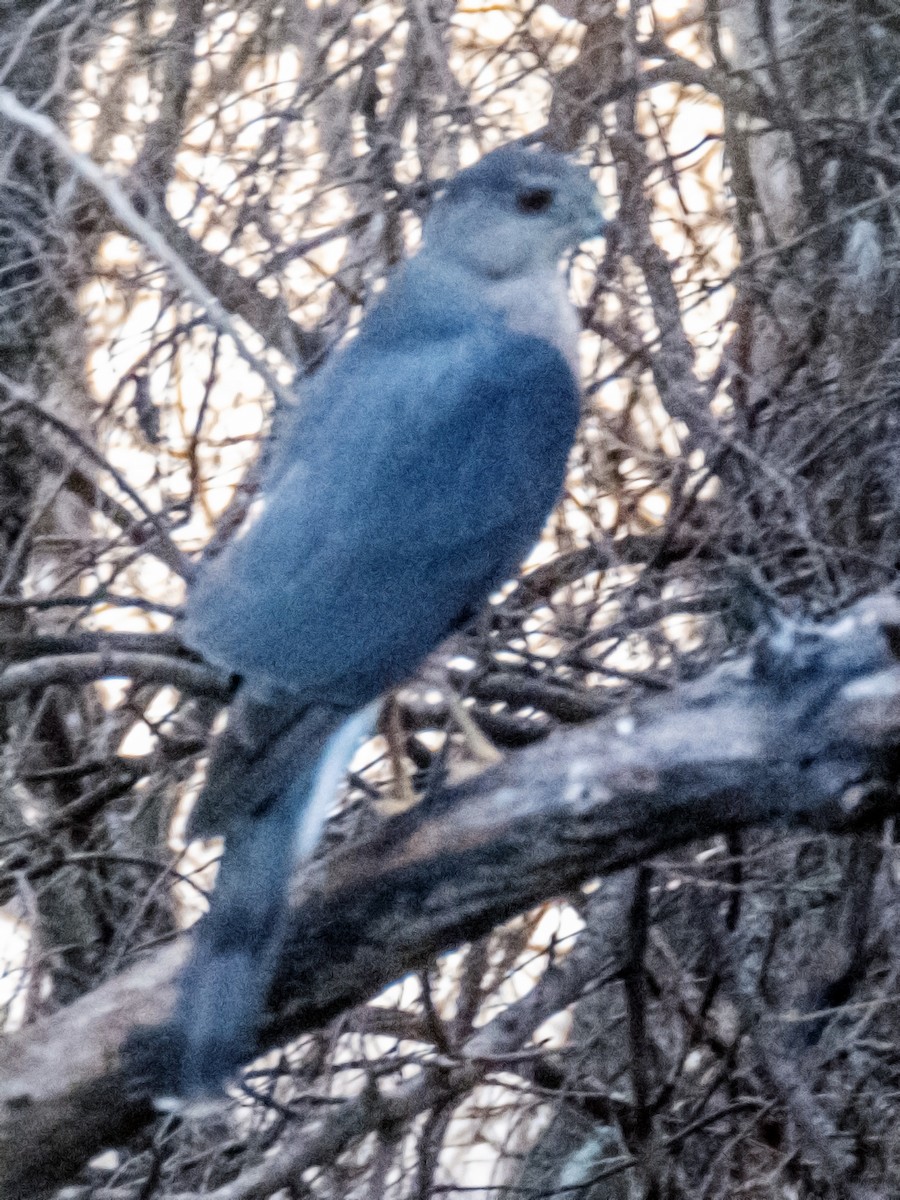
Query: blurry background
{"points": [[739, 451]]}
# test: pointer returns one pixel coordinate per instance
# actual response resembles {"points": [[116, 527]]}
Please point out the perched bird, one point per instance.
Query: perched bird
{"points": [[416, 473]]}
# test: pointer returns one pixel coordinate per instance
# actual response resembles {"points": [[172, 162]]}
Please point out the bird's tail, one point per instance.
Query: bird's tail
{"points": [[223, 990], [265, 793]]}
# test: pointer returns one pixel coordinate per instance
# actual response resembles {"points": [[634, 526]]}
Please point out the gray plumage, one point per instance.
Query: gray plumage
{"points": [[415, 475]]}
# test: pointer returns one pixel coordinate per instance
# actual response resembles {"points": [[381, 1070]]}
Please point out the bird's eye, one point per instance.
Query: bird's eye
{"points": [[536, 200]]}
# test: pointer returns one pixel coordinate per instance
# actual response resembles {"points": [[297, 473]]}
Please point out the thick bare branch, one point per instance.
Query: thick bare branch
{"points": [[164, 136], [195, 678], [786, 734]]}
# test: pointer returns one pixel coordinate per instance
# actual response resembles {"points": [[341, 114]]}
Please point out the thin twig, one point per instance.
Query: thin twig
{"points": [[123, 209]]}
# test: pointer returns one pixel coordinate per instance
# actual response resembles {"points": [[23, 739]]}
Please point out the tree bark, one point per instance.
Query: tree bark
{"points": [[791, 734]]}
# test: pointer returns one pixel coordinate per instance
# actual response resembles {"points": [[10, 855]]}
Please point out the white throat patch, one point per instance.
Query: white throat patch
{"points": [[539, 305]]}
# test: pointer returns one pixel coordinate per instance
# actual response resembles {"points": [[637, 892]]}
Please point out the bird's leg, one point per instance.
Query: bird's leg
{"points": [[483, 750], [436, 672], [391, 726]]}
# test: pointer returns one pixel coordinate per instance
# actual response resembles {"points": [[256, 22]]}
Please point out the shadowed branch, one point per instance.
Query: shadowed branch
{"points": [[791, 733]]}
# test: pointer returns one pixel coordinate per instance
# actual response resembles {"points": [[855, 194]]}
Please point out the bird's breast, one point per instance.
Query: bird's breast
{"points": [[539, 306]]}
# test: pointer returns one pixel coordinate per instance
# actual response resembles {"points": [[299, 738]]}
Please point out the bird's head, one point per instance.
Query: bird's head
{"points": [[514, 213]]}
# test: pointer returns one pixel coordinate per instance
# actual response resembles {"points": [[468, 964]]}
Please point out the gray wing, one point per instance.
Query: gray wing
{"points": [[412, 494]]}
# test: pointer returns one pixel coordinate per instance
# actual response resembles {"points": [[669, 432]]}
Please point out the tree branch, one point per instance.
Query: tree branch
{"points": [[791, 733], [269, 316], [197, 679], [164, 136], [124, 211]]}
